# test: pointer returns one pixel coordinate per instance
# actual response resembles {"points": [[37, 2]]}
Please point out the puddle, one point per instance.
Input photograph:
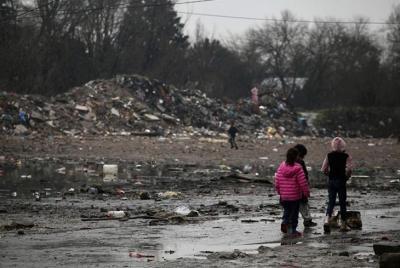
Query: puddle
{"points": [[135, 240], [217, 236]]}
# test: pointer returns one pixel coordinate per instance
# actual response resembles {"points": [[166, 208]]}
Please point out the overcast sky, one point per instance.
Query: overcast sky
{"points": [[375, 10]]}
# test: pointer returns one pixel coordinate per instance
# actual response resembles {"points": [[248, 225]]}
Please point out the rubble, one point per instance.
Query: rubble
{"points": [[386, 247], [137, 105], [389, 260]]}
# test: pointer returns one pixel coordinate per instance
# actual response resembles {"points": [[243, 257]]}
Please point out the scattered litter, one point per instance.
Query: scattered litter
{"points": [[182, 210], [61, 170], [110, 173], [249, 221], [169, 194], [140, 255], [116, 214]]}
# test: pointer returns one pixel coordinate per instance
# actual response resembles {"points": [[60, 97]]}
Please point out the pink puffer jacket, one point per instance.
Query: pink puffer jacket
{"points": [[290, 182]]}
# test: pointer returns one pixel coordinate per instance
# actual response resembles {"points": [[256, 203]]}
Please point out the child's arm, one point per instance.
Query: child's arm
{"points": [[277, 181], [325, 166], [301, 179], [349, 166]]}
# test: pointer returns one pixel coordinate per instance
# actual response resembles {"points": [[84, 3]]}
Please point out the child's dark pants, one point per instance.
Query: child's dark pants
{"points": [[233, 142], [337, 187], [291, 213]]}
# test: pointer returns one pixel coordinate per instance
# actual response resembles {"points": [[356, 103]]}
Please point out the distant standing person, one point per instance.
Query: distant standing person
{"points": [[254, 99], [338, 166], [304, 206], [232, 131], [291, 185]]}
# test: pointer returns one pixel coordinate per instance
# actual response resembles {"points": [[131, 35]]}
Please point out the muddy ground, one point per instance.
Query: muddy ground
{"points": [[238, 221]]}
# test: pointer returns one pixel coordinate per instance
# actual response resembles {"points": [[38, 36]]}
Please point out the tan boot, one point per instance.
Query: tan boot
{"points": [[344, 227], [327, 225]]}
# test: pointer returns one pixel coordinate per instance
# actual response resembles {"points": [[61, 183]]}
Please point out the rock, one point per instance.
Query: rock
{"points": [[20, 224], [249, 221], [263, 249], [228, 256], [344, 254], [145, 196], [193, 213], [386, 247], [389, 260], [20, 232]]}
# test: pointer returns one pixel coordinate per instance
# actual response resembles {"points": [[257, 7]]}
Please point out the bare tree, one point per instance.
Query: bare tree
{"points": [[281, 46]]}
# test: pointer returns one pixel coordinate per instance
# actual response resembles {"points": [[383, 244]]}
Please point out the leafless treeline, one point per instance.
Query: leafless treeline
{"points": [[48, 46]]}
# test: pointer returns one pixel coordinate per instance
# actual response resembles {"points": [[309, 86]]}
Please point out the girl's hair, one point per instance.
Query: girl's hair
{"points": [[302, 149], [338, 144], [291, 156]]}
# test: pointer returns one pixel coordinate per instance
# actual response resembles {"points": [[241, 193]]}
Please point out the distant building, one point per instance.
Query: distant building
{"points": [[275, 84]]}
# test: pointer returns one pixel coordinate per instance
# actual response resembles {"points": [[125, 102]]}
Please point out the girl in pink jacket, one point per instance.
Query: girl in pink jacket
{"points": [[291, 185]]}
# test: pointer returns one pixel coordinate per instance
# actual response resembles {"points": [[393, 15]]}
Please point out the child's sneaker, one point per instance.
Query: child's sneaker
{"points": [[284, 228], [296, 234], [309, 223]]}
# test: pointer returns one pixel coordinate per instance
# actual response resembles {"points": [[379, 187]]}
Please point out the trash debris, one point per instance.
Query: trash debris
{"points": [[169, 194], [37, 196], [119, 191], [353, 220], [248, 178], [93, 190], [137, 105], [145, 196], [247, 169], [140, 255], [249, 221], [116, 214], [182, 210], [61, 170], [110, 173]]}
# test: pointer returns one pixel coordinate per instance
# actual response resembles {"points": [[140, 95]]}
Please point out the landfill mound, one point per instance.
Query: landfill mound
{"points": [[137, 105]]}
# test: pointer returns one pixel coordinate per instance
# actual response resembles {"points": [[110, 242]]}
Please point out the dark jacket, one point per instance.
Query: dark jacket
{"points": [[232, 132], [337, 165]]}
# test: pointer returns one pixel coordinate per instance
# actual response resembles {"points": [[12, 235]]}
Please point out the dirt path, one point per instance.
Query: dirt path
{"points": [[201, 151]]}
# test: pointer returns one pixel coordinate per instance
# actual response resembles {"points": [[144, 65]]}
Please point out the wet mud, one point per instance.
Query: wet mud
{"points": [[54, 213]]}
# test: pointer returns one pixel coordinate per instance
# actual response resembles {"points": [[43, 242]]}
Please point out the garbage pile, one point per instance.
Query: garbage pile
{"points": [[137, 105]]}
